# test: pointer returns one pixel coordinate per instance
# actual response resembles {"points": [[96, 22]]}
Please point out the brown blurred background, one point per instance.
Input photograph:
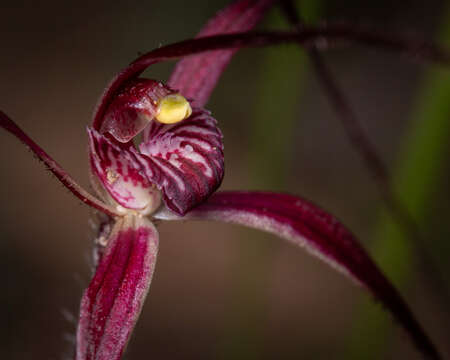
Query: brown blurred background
{"points": [[219, 291]]}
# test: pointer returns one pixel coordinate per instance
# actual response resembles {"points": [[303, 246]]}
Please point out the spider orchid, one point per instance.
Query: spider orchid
{"points": [[173, 173]]}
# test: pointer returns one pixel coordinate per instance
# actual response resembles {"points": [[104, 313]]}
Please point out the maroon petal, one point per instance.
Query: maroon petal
{"points": [[9, 125], [113, 301], [120, 173], [196, 76], [305, 225], [184, 160]]}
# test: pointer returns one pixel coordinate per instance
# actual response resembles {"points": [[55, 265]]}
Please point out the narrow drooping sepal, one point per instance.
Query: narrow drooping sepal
{"points": [[111, 304], [56, 169], [133, 108], [196, 76], [305, 225], [184, 160], [120, 173]]}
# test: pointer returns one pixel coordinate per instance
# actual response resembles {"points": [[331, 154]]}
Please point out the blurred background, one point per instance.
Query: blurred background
{"points": [[221, 291]]}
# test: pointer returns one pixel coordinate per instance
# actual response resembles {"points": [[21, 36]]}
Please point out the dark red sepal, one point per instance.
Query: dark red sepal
{"points": [[10, 126], [304, 224], [309, 35], [111, 304]]}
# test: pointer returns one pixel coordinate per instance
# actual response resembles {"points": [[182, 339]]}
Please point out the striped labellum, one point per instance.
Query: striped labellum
{"points": [[180, 157]]}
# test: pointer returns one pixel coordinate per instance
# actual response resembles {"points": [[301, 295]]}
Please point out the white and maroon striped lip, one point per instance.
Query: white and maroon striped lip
{"points": [[184, 160]]}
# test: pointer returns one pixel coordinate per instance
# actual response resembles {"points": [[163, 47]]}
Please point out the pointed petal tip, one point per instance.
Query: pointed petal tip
{"points": [[306, 225]]}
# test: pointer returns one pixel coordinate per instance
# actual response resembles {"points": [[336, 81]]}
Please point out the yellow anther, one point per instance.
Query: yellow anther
{"points": [[172, 109]]}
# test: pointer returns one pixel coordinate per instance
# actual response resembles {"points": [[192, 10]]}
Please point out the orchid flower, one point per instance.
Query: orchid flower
{"points": [[173, 174]]}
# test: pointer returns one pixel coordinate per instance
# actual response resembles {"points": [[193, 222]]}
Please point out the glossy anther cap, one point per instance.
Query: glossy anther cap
{"points": [[172, 109]]}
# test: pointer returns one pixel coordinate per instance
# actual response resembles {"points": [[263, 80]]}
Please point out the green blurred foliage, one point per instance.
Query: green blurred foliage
{"points": [[420, 168]]}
